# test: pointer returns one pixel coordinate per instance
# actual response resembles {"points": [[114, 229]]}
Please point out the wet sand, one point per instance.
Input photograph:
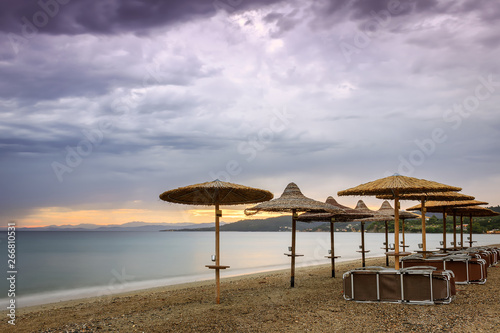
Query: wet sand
{"points": [[265, 302]]}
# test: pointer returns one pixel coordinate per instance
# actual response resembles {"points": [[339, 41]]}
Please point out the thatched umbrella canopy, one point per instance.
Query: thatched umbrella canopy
{"points": [[476, 211], [330, 200], [437, 206], [446, 207], [216, 193], [426, 196], [396, 185], [460, 209], [292, 200], [473, 211], [347, 214]]}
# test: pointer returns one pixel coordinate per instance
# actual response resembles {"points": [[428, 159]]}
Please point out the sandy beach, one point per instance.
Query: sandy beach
{"points": [[264, 302]]}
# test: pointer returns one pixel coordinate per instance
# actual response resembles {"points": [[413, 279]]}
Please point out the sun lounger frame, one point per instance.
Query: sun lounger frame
{"points": [[403, 298], [441, 264]]}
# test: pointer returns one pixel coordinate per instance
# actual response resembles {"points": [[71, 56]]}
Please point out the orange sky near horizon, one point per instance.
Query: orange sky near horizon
{"points": [[46, 216], [63, 216]]}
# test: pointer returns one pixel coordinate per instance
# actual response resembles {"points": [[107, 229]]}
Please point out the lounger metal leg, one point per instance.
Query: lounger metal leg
{"points": [[352, 286], [430, 279], [402, 288]]}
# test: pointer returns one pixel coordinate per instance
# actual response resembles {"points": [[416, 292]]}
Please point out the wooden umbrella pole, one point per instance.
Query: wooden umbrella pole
{"points": [[396, 229], [461, 230], [217, 252], [386, 243], [454, 229], [444, 228], [363, 243], [422, 210], [470, 230], [403, 233], [332, 247], [294, 223]]}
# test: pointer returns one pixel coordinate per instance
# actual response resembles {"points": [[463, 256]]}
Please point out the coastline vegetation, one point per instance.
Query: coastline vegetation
{"points": [[434, 224]]}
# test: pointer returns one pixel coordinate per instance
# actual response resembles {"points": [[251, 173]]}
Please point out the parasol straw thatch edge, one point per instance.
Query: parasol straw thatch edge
{"points": [[441, 196], [292, 200], [209, 193], [476, 211], [403, 184], [431, 205]]}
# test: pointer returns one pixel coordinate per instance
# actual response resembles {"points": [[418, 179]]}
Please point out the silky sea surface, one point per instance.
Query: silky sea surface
{"points": [[55, 266]]}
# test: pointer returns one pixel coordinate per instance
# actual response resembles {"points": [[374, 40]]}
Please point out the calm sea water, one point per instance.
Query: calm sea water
{"points": [[55, 266]]}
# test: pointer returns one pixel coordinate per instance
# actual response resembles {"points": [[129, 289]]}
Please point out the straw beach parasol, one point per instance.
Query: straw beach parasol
{"points": [[376, 216], [474, 211], [453, 207], [347, 214], [292, 200], [426, 196], [386, 209], [447, 202], [396, 185], [216, 193]]}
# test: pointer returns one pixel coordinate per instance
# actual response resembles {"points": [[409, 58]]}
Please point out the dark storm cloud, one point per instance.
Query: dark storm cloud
{"points": [[110, 16], [330, 12], [488, 10], [38, 139], [361, 10], [283, 22], [135, 141], [48, 71], [364, 9], [33, 83]]}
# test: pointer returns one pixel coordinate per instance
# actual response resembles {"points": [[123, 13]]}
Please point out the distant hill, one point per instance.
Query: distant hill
{"points": [[280, 223], [129, 226], [495, 209]]}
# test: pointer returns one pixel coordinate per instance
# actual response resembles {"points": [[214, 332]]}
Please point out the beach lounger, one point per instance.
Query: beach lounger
{"points": [[486, 255], [410, 261], [467, 267], [415, 285], [493, 255]]}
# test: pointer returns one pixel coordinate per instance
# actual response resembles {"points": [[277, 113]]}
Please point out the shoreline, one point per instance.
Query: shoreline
{"points": [[59, 296], [208, 283], [116, 283], [81, 294], [264, 301]]}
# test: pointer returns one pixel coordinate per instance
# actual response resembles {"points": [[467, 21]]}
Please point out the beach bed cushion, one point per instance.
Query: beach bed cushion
{"points": [[416, 285], [468, 268]]}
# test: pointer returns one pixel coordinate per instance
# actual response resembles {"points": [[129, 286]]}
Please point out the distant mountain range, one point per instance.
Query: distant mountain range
{"points": [[280, 223], [129, 226]]}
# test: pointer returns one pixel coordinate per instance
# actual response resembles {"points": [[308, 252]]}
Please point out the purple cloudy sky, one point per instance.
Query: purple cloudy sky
{"points": [[106, 104]]}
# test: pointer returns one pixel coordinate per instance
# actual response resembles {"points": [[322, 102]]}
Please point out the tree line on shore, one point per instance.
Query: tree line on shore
{"points": [[433, 225]]}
